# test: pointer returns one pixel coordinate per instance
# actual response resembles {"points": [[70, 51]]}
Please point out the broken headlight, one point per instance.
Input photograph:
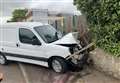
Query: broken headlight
{"points": [[74, 49]]}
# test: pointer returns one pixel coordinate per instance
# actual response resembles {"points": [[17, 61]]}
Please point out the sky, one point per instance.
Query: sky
{"points": [[7, 6]]}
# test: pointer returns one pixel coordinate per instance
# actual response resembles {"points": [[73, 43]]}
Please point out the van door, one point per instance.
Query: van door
{"points": [[29, 45]]}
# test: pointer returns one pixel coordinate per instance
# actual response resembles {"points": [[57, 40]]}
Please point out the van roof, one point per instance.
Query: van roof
{"points": [[25, 24]]}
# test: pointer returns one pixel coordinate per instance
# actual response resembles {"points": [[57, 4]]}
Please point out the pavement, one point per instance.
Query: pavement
{"points": [[27, 73]]}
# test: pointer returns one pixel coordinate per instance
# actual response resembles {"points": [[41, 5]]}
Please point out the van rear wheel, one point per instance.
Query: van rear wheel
{"points": [[3, 59], [59, 65]]}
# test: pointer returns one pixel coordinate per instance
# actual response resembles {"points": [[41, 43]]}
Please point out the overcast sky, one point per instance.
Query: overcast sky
{"points": [[7, 6]]}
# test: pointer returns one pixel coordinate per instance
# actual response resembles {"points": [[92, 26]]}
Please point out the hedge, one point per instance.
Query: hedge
{"points": [[104, 22]]}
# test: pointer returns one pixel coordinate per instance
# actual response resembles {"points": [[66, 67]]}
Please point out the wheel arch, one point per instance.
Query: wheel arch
{"points": [[52, 57], [6, 61]]}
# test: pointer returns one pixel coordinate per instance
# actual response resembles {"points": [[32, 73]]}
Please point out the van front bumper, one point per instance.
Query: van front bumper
{"points": [[81, 57], [78, 59]]}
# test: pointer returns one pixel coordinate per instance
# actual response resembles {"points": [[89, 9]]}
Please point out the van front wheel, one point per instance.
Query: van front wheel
{"points": [[59, 65], [3, 60]]}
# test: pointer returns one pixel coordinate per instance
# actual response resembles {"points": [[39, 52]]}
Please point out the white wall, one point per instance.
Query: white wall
{"points": [[40, 15]]}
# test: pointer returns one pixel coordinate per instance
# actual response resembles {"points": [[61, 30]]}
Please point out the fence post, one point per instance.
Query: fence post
{"points": [[69, 25]]}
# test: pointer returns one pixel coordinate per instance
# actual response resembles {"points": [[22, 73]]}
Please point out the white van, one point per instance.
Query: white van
{"points": [[37, 43]]}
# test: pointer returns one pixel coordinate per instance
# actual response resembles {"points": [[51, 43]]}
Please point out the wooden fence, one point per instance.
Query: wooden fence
{"points": [[76, 24]]}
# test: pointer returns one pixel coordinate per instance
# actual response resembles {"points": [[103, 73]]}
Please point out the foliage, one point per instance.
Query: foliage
{"points": [[104, 20], [18, 15]]}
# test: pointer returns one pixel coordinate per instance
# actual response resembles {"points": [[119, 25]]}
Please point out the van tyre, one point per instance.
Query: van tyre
{"points": [[3, 60], [59, 65]]}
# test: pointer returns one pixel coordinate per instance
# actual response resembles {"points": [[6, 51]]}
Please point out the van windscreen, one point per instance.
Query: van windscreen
{"points": [[48, 33]]}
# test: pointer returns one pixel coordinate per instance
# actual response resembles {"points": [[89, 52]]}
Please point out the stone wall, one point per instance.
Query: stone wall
{"points": [[106, 63]]}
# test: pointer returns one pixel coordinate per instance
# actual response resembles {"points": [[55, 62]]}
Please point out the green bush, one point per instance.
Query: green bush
{"points": [[106, 38], [104, 22]]}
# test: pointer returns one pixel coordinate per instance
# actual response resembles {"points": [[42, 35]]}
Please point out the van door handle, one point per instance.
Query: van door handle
{"points": [[18, 45]]}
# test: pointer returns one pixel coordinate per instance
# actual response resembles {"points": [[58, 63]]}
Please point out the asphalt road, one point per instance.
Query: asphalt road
{"points": [[12, 73], [27, 73]]}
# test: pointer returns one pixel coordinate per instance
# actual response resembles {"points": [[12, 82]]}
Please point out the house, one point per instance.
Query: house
{"points": [[37, 15], [65, 22], [44, 16]]}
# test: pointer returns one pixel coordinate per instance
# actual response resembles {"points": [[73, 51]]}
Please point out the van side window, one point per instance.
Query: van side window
{"points": [[26, 36]]}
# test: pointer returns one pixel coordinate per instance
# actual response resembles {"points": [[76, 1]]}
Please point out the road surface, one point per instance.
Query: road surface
{"points": [[12, 73], [27, 73]]}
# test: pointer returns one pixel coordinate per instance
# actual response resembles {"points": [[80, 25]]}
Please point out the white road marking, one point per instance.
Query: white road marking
{"points": [[24, 73]]}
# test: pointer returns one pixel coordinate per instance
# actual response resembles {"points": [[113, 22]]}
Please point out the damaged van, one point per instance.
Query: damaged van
{"points": [[41, 44]]}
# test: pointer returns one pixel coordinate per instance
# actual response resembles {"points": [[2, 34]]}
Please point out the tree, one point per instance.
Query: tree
{"points": [[18, 15], [104, 21]]}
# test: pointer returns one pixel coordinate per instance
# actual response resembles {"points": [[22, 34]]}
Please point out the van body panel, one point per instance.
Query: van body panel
{"points": [[43, 63], [8, 39]]}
